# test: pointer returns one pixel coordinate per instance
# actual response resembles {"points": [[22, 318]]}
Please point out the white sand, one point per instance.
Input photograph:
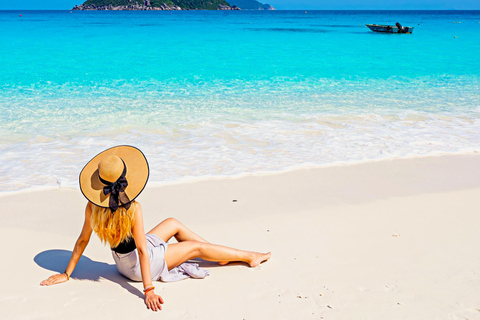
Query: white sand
{"points": [[381, 240]]}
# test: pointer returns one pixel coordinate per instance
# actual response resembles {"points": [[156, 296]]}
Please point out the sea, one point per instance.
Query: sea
{"points": [[208, 94]]}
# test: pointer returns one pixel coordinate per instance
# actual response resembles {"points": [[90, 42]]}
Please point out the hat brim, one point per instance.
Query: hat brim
{"points": [[137, 175]]}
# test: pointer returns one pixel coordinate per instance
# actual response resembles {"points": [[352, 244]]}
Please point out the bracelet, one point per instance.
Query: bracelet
{"points": [[148, 289], [68, 276]]}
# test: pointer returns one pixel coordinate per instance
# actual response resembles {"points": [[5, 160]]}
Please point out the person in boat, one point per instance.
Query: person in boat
{"points": [[111, 181], [400, 28]]}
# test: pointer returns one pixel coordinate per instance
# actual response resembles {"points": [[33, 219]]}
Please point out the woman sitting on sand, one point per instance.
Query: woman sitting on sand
{"points": [[111, 181]]}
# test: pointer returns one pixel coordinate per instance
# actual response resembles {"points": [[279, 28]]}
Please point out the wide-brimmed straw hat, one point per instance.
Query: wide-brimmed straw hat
{"points": [[114, 177]]}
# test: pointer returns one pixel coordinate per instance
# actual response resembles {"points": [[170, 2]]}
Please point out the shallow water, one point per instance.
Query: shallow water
{"points": [[224, 93]]}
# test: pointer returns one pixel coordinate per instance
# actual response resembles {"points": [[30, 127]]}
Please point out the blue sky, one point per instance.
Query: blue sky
{"points": [[283, 4]]}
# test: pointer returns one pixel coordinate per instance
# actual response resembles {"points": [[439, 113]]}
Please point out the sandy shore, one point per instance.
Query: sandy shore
{"points": [[394, 239]]}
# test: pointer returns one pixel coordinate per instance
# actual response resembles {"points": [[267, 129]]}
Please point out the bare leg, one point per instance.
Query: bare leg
{"points": [[179, 253], [171, 227]]}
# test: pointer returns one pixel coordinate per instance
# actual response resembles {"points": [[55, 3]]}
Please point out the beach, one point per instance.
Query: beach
{"points": [[390, 239], [351, 155]]}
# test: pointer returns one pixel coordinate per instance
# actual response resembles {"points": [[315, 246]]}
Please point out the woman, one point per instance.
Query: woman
{"points": [[111, 181]]}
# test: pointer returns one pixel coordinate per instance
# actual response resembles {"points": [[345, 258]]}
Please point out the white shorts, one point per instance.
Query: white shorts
{"points": [[128, 264]]}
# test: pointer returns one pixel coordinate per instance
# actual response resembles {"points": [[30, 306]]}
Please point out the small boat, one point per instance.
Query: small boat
{"points": [[397, 28]]}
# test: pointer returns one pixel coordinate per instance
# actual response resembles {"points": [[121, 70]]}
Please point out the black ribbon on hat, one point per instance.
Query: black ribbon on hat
{"points": [[116, 189]]}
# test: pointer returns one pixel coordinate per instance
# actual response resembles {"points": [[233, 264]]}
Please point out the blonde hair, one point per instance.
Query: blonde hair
{"points": [[113, 228]]}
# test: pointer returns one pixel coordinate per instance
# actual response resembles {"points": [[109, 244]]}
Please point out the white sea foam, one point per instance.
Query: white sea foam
{"points": [[219, 129]]}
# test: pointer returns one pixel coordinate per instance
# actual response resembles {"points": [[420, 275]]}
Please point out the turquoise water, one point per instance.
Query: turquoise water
{"points": [[210, 93]]}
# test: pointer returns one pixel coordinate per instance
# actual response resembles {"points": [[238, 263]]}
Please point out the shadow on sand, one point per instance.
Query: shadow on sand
{"points": [[86, 269]]}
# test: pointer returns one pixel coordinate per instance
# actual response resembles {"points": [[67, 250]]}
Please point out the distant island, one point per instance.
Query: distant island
{"points": [[172, 5]]}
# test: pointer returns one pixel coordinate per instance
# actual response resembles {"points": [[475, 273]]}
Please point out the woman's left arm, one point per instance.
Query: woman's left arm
{"points": [[153, 301]]}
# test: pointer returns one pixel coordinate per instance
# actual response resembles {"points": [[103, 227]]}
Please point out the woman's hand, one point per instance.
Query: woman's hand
{"points": [[56, 278], [153, 301]]}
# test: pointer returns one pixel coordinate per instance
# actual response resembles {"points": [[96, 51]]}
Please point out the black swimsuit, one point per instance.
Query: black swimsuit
{"points": [[126, 246]]}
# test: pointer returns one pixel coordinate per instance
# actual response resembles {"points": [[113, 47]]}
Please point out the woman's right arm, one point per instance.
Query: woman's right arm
{"points": [[80, 246]]}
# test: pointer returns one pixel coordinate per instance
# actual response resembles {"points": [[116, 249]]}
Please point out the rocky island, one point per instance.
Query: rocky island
{"points": [[172, 5], [155, 5]]}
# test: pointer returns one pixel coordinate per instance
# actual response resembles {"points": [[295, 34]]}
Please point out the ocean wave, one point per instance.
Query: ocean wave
{"points": [[227, 129]]}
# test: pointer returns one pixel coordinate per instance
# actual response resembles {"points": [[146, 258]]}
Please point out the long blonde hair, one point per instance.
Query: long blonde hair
{"points": [[113, 228]]}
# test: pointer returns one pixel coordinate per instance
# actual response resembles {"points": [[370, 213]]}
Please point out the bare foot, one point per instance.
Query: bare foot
{"points": [[223, 263], [258, 258]]}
